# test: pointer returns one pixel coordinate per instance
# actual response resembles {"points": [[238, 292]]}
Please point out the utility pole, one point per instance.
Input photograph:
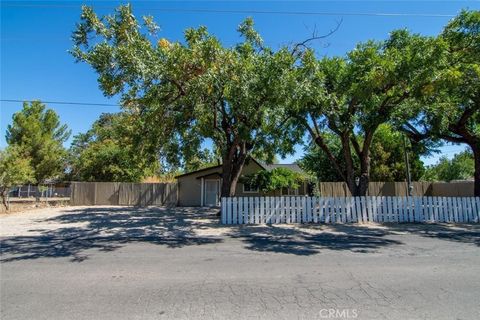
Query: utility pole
{"points": [[407, 165]]}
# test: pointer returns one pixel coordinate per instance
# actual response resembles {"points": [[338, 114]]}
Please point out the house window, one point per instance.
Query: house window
{"points": [[250, 188]]}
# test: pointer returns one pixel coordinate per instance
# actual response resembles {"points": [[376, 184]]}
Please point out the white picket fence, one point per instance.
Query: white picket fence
{"points": [[302, 209]]}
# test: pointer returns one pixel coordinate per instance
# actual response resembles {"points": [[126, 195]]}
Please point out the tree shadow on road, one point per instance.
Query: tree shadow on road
{"points": [[463, 233], [307, 240], [107, 229]]}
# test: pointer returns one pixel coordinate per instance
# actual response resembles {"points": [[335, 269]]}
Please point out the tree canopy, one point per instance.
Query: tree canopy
{"points": [[387, 154], [39, 136], [250, 100], [350, 97], [185, 92], [107, 152], [449, 108], [460, 167], [15, 169]]}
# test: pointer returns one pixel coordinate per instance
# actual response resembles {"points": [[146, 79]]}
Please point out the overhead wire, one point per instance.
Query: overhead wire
{"points": [[62, 102], [248, 11]]}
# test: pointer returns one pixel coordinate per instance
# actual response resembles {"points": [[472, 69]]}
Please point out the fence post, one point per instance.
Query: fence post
{"points": [[72, 193], [477, 200], [257, 210], [95, 194], [470, 209], [234, 211], [253, 209], [304, 209], [416, 213], [224, 210]]}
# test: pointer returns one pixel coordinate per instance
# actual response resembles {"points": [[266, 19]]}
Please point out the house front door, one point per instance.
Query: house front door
{"points": [[212, 192]]}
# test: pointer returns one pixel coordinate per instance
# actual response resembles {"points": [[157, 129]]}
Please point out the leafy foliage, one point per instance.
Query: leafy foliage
{"points": [[351, 97], [38, 134], [316, 162], [15, 169], [275, 179], [253, 101], [387, 158], [449, 108], [460, 167], [185, 92], [203, 159], [107, 152]]}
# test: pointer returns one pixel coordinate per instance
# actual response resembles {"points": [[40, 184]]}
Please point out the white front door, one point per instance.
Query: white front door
{"points": [[212, 188]]}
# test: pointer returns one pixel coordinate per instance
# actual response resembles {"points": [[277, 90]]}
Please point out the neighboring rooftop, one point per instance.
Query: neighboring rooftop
{"points": [[291, 166]]}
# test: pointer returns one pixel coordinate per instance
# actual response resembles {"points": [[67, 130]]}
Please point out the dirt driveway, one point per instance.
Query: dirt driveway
{"points": [[159, 263]]}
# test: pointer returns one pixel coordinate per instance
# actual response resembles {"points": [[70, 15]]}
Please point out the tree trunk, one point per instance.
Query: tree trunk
{"points": [[230, 177], [37, 195], [348, 175], [476, 175], [349, 165], [364, 175], [4, 199], [232, 166], [351, 183]]}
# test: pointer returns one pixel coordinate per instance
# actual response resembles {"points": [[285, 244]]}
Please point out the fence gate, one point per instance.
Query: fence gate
{"points": [[302, 209]]}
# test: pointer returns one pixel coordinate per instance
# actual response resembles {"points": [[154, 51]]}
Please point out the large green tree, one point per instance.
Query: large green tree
{"points": [[460, 167], [15, 170], [387, 158], [352, 97], [39, 135], [185, 92], [107, 152], [449, 108]]}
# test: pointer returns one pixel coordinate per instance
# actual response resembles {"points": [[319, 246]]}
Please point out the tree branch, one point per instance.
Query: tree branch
{"points": [[296, 51]]}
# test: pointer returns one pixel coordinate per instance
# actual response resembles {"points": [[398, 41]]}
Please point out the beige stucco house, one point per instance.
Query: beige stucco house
{"points": [[202, 187]]}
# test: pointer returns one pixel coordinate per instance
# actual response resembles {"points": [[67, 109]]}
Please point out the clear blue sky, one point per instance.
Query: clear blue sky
{"points": [[35, 63]]}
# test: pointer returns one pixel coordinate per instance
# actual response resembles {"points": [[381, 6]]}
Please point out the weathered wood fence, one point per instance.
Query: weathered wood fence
{"points": [[123, 193], [302, 209], [400, 189]]}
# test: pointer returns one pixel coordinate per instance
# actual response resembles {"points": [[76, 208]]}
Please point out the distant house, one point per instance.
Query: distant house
{"points": [[202, 187]]}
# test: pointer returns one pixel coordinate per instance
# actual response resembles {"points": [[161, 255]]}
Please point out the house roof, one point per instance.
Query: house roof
{"points": [[292, 166], [269, 167], [197, 171]]}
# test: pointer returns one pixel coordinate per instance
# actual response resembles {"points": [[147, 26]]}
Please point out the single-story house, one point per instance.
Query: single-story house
{"points": [[203, 187]]}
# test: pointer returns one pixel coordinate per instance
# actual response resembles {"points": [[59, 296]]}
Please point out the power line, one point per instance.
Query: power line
{"points": [[64, 102], [231, 11]]}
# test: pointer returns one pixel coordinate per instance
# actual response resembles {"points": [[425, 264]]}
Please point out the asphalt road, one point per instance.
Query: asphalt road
{"points": [[106, 263]]}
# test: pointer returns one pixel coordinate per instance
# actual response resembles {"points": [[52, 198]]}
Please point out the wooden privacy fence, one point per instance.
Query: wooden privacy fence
{"points": [[123, 193], [400, 189], [301, 209]]}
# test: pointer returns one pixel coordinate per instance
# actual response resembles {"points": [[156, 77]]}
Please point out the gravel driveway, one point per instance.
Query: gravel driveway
{"points": [[158, 263]]}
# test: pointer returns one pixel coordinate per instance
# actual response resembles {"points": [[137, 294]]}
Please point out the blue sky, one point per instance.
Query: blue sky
{"points": [[35, 37]]}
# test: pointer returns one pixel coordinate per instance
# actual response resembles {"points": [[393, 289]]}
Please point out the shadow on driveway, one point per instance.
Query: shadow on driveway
{"points": [[109, 228]]}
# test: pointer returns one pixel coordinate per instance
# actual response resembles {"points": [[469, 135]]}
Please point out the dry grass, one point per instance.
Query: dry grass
{"points": [[170, 178], [27, 204]]}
